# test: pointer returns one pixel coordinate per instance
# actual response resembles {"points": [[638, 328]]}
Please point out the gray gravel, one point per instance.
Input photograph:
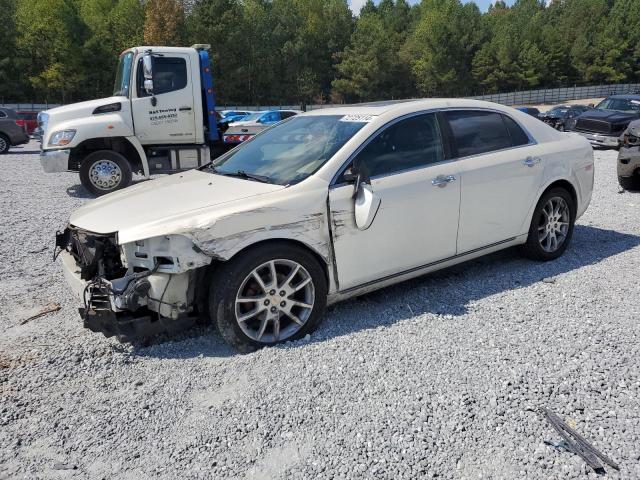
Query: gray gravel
{"points": [[437, 377]]}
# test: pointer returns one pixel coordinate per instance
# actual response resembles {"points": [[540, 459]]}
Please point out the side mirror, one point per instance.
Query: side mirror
{"points": [[147, 69], [366, 207]]}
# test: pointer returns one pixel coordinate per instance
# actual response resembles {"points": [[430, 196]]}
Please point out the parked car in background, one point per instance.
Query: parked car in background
{"points": [[534, 112], [563, 117], [230, 116], [604, 124], [253, 124], [30, 120], [12, 130], [629, 157], [324, 206]]}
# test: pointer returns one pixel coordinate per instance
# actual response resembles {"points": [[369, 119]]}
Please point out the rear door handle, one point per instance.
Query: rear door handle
{"points": [[531, 161], [443, 180]]}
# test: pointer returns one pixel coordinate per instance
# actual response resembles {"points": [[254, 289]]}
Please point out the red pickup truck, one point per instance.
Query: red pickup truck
{"points": [[29, 119]]}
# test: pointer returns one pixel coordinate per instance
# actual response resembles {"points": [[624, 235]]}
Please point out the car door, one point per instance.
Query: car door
{"points": [[416, 221], [501, 173], [171, 119]]}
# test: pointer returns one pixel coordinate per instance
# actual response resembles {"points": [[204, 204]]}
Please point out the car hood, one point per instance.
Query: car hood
{"points": [[608, 115], [80, 109], [243, 123], [173, 204]]}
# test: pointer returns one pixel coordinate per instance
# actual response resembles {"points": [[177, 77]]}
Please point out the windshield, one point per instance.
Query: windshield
{"points": [[123, 75], [558, 111], [620, 105], [290, 151], [253, 117]]}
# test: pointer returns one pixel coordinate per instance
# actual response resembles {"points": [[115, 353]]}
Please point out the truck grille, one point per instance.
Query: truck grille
{"points": [[597, 126]]}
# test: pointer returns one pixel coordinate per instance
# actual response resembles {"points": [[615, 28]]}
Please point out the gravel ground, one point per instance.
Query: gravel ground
{"points": [[437, 377]]}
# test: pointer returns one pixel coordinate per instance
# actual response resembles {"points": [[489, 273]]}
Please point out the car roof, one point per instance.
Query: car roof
{"points": [[380, 108]]}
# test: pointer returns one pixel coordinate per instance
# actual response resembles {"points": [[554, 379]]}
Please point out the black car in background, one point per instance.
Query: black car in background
{"points": [[562, 117], [603, 125], [534, 112]]}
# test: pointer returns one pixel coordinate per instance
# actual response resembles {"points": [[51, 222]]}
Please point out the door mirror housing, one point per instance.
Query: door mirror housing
{"points": [[147, 69], [366, 207]]}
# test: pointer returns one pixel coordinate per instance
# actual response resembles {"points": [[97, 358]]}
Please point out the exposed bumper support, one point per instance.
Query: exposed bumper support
{"points": [[55, 160], [600, 140]]}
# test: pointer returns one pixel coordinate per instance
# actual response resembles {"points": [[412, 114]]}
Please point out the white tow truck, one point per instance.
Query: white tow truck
{"points": [[160, 119]]}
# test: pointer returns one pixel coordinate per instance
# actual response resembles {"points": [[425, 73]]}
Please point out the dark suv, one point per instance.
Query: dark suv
{"points": [[562, 117], [603, 125], [12, 130]]}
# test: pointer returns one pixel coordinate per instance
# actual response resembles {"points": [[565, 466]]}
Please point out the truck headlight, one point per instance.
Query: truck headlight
{"points": [[63, 137]]}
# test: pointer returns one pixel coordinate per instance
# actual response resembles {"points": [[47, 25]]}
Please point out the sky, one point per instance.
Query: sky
{"points": [[356, 5]]}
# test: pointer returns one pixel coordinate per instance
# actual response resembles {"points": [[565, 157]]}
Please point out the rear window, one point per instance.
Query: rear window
{"points": [[477, 132], [518, 136]]}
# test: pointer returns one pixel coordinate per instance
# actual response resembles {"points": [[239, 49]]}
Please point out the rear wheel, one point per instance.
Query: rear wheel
{"points": [[5, 144], [105, 171], [630, 183], [551, 226], [271, 294]]}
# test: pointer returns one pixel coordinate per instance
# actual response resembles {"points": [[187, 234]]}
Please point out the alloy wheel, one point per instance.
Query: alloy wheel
{"points": [[105, 174], [3, 144], [554, 224], [274, 301]]}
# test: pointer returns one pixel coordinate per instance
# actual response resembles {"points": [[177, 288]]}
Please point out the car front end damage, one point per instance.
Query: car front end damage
{"points": [[134, 290], [629, 156]]}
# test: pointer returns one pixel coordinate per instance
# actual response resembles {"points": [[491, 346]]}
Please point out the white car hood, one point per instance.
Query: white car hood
{"points": [[242, 123], [80, 109], [174, 204]]}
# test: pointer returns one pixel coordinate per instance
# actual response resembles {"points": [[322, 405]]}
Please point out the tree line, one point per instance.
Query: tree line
{"points": [[317, 51]]}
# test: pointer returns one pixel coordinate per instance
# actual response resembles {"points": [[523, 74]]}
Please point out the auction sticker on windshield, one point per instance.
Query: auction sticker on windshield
{"points": [[357, 118]]}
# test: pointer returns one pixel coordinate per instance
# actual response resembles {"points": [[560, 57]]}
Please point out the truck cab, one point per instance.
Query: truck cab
{"points": [[160, 119]]}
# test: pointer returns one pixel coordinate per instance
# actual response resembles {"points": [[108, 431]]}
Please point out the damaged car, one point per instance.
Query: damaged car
{"points": [[629, 157], [321, 207]]}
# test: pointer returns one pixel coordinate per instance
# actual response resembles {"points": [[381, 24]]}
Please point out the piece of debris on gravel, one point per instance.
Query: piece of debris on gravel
{"points": [[439, 377]]}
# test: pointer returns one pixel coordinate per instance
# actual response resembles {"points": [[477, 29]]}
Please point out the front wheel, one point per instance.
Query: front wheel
{"points": [[551, 226], [104, 172], [271, 294], [631, 183]]}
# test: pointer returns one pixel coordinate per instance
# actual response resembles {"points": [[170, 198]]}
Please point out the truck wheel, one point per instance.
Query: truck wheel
{"points": [[631, 183], [5, 144], [271, 294], [105, 171]]}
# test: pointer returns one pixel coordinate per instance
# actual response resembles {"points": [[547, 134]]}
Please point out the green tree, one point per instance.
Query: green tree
{"points": [[9, 82], [164, 22], [442, 46]]}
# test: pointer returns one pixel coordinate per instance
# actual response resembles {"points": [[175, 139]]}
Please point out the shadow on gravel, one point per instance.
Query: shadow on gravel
{"points": [[78, 191], [446, 292], [23, 152]]}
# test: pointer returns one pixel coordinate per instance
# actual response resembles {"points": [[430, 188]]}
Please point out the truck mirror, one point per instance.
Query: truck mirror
{"points": [[147, 68]]}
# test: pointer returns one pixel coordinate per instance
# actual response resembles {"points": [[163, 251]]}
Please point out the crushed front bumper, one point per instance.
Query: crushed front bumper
{"points": [[600, 140], [628, 161], [53, 161], [101, 314]]}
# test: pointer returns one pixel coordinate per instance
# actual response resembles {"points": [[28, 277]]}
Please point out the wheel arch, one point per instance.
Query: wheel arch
{"points": [[558, 182], [123, 145]]}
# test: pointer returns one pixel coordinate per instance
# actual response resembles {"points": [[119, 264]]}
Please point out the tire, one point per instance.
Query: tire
{"points": [[105, 171], [540, 247], [561, 127], [5, 144], [234, 279], [630, 183]]}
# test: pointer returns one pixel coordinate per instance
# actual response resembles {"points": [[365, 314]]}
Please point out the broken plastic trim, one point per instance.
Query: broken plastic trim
{"points": [[578, 444]]}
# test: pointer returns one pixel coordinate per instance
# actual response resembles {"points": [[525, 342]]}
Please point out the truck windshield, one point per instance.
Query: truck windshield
{"points": [[123, 75], [620, 105], [290, 151]]}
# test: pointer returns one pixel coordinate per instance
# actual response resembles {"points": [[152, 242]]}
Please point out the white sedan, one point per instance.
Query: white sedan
{"points": [[324, 206]]}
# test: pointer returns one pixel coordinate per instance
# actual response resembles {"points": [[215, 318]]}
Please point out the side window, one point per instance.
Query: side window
{"points": [[271, 117], [518, 136], [169, 75], [410, 143], [287, 114], [3, 114], [476, 132]]}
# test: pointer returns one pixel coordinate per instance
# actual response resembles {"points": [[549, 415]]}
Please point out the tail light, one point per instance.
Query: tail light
{"points": [[21, 123]]}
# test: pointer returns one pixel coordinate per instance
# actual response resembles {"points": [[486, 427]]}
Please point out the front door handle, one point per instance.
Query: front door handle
{"points": [[184, 109], [531, 161], [443, 180]]}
